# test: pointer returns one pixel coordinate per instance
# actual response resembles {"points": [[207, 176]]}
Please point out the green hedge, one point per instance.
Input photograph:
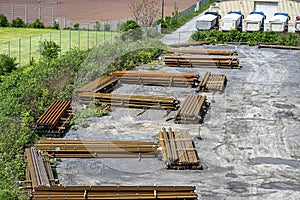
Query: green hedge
{"points": [[252, 38]]}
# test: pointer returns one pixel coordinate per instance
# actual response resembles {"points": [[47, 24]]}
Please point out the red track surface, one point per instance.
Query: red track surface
{"points": [[101, 10]]}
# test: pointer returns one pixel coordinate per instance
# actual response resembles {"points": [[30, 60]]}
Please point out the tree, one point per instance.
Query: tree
{"points": [[50, 49], [145, 12], [132, 31], [7, 64], [17, 22], [3, 21]]}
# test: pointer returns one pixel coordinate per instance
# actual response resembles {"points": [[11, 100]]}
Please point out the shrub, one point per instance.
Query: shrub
{"points": [[76, 26], [97, 25], [17, 23], [37, 24], [107, 26], [7, 64], [3, 21], [131, 31], [56, 25], [50, 49]]}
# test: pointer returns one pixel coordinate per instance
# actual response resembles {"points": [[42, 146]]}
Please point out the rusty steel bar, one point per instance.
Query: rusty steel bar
{"points": [[203, 51]]}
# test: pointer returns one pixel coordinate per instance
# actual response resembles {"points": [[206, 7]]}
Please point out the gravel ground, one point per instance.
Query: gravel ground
{"points": [[250, 147]]}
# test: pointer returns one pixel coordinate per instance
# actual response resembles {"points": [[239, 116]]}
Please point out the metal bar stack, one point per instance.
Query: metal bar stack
{"points": [[178, 150], [55, 120], [130, 101], [38, 169], [101, 84], [212, 82], [160, 78], [227, 62], [203, 51], [98, 149], [114, 192], [192, 110]]}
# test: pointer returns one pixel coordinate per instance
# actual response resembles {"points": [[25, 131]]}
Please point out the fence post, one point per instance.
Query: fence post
{"points": [[13, 11], [96, 36], [104, 33], [88, 37], [8, 44], [20, 52], [26, 14], [79, 38], [52, 12], [69, 39], [29, 48], [41, 46], [60, 41]]}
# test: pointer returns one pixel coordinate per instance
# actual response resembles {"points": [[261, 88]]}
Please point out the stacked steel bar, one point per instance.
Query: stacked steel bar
{"points": [[101, 84], [212, 82], [203, 51], [55, 119], [38, 169], [114, 192], [178, 150], [187, 44], [161, 78], [202, 61], [130, 101], [192, 110], [103, 149]]}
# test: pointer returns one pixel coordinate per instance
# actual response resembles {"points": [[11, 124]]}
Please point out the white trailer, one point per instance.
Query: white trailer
{"points": [[255, 22], [297, 24], [233, 20], [279, 22], [208, 21]]}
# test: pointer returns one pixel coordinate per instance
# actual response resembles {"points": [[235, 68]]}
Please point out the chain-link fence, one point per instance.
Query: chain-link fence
{"points": [[29, 12], [26, 49]]}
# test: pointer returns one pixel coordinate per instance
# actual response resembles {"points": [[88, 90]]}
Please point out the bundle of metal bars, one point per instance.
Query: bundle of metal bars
{"points": [[55, 120], [38, 169], [178, 150], [203, 51], [96, 148], [187, 44], [113, 192], [212, 82], [202, 61], [160, 78], [101, 84], [192, 110], [130, 101]]}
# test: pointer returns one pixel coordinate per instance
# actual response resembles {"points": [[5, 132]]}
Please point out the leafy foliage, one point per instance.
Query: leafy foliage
{"points": [[3, 21], [107, 26], [76, 26], [97, 26], [215, 36], [18, 23], [131, 31], [50, 49], [7, 64], [37, 24]]}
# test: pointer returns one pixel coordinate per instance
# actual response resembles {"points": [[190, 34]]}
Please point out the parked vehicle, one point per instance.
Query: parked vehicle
{"points": [[255, 21], [233, 20], [209, 20], [279, 22], [297, 24]]}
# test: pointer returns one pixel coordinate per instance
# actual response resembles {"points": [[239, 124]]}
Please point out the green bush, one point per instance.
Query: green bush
{"points": [[252, 38], [3, 21], [76, 26], [56, 25], [107, 26], [50, 49], [131, 31], [37, 24], [7, 64], [17, 23], [97, 26]]}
